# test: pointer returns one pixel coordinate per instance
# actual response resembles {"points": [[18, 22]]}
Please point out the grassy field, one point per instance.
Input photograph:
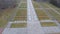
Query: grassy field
{"points": [[53, 12], [21, 15], [35, 4], [5, 16], [8, 12], [54, 7], [24, 1], [43, 4], [56, 16], [19, 25], [41, 14], [51, 5], [22, 12], [23, 5], [3, 22], [48, 24]]}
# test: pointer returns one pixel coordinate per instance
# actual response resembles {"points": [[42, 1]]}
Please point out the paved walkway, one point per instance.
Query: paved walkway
{"points": [[15, 31], [34, 26]]}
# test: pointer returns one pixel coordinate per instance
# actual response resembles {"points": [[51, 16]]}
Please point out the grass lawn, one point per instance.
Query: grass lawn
{"points": [[48, 24], [3, 22], [56, 16], [23, 0], [19, 25], [23, 5], [56, 8], [5, 16], [36, 4], [21, 14], [43, 4], [52, 5], [8, 12], [41, 14], [53, 12]]}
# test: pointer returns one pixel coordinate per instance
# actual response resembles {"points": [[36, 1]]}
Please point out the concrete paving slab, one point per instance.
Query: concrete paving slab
{"points": [[15, 31], [52, 29]]}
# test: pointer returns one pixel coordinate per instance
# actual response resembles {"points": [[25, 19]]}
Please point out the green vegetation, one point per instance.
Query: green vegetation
{"points": [[8, 12], [5, 17], [56, 16], [23, 5], [51, 5], [23, 0], [53, 12], [56, 8], [43, 4], [19, 25], [41, 14], [3, 23], [36, 5], [21, 14], [48, 24]]}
